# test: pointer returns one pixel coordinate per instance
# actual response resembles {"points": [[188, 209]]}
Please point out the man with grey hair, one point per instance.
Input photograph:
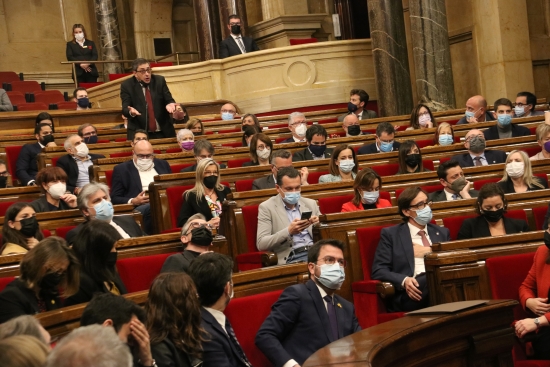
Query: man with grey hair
{"points": [[196, 236], [90, 346], [279, 159], [77, 163], [298, 126], [95, 203]]}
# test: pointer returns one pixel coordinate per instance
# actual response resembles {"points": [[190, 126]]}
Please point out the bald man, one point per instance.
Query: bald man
{"points": [[351, 125], [131, 180], [474, 142], [476, 111], [228, 111]]}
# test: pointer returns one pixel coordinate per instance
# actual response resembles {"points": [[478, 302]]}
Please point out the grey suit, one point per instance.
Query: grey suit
{"points": [[367, 114], [273, 225], [438, 196], [267, 182]]}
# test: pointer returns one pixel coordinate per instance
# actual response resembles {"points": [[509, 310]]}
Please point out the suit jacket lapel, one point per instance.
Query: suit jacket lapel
{"points": [[434, 234], [320, 307], [134, 176], [280, 209], [406, 243]]}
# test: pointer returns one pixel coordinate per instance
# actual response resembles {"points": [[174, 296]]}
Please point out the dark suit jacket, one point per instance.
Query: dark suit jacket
{"points": [[218, 351], [166, 354], [76, 53], [68, 164], [492, 156], [250, 164], [229, 47], [179, 263], [508, 186], [298, 324], [367, 114], [517, 130], [126, 222], [193, 168], [478, 227], [89, 286], [371, 148], [41, 205], [267, 182], [17, 300], [305, 155], [126, 182], [191, 207], [289, 140], [26, 166], [131, 94], [488, 117], [440, 195]]}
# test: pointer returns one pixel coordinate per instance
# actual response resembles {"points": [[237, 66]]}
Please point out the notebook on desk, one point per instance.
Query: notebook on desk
{"points": [[448, 308]]}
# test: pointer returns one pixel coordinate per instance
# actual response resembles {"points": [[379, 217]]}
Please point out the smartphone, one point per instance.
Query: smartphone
{"points": [[305, 215]]}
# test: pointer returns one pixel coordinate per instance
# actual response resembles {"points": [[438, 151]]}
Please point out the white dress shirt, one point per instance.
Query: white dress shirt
{"points": [[119, 229], [419, 266], [219, 316]]}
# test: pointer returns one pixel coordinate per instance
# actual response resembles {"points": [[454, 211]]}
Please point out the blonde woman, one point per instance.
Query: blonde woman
{"points": [[518, 175], [186, 140], [543, 138], [207, 196], [196, 126], [444, 135]]}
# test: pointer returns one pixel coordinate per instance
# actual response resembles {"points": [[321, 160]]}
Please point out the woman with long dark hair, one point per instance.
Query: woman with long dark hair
{"points": [[82, 49], [410, 158], [20, 231]]}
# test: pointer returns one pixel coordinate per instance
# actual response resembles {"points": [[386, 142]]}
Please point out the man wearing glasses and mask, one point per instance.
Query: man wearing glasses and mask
{"points": [[147, 103], [399, 257]]}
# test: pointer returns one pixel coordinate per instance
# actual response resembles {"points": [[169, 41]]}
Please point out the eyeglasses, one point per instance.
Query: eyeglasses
{"points": [[5, 173], [145, 156], [294, 124], [330, 260], [144, 71], [235, 23], [228, 111], [195, 225], [420, 205], [424, 113], [261, 147]]}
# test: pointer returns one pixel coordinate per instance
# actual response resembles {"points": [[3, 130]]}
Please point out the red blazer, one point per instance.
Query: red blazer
{"points": [[349, 207], [537, 282]]}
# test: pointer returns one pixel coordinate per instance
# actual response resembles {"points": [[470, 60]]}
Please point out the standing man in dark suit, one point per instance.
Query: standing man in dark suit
{"points": [[236, 43], [279, 159], [357, 105], [309, 316], [26, 166], [455, 185], [212, 275], [82, 49], [95, 203], [399, 257], [131, 180], [504, 111], [76, 164], [316, 138], [385, 140], [474, 142], [147, 103]]}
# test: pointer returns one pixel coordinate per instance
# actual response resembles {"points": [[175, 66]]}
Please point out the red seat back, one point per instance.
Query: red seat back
{"points": [[62, 231], [244, 185], [237, 144], [250, 218], [36, 106], [4, 205], [428, 189], [277, 126], [109, 177], [313, 177], [389, 169], [246, 315], [227, 131], [161, 64], [424, 143], [368, 239], [120, 140], [54, 160], [480, 183], [428, 164], [49, 96], [120, 155], [12, 152], [333, 204], [16, 98], [67, 105], [117, 76], [326, 121], [173, 150], [89, 85], [531, 151], [302, 41], [27, 86], [237, 163], [540, 214], [454, 224], [178, 167], [175, 200], [5, 281], [278, 140], [8, 76], [137, 273], [517, 214]]}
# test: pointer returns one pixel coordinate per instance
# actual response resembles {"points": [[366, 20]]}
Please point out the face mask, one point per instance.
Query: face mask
{"points": [[352, 107], [547, 146], [332, 276], [104, 211], [210, 182], [386, 147], [354, 130], [187, 145], [504, 119], [347, 165], [519, 111], [29, 226], [458, 184], [477, 144], [45, 140], [3, 182], [83, 102], [515, 169], [90, 139], [227, 116], [469, 114], [263, 154], [179, 115], [370, 197], [412, 160], [292, 198], [79, 36], [50, 282], [301, 130], [236, 29], [202, 237], [423, 216], [57, 190], [424, 120], [111, 259], [445, 139], [493, 216], [317, 150], [196, 133], [547, 239], [144, 164], [82, 150]]}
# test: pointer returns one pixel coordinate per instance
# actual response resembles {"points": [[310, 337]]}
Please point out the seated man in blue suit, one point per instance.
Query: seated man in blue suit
{"points": [[131, 180], [399, 257], [26, 166], [211, 273], [309, 316], [474, 142]]}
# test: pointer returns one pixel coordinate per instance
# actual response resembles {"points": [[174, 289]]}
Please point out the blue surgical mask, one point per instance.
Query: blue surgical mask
{"points": [[386, 147], [332, 276], [227, 116], [370, 197], [519, 111], [292, 198], [104, 211], [423, 216], [504, 119], [445, 139], [469, 114], [347, 165]]}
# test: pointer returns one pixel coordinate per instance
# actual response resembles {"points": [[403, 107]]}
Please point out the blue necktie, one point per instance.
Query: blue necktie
{"points": [[233, 339], [332, 316]]}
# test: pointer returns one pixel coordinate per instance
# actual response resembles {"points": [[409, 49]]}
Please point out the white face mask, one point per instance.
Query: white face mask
{"points": [[144, 164], [57, 190], [79, 36], [515, 169], [301, 130], [82, 150], [263, 154], [424, 120]]}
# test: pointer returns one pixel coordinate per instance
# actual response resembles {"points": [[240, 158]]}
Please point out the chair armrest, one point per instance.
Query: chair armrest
{"points": [[256, 260], [384, 289]]}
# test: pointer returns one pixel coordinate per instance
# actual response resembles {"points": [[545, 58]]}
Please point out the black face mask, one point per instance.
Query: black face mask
{"points": [[29, 226], [197, 133], [3, 182], [45, 140], [201, 237], [50, 282], [111, 259], [354, 130], [210, 181], [547, 239], [236, 29], [493, 216], [90, 139], [352, 107], [412, 160]]}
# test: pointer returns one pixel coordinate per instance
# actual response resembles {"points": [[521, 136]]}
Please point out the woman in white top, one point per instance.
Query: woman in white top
{"points": [[342, 166]]}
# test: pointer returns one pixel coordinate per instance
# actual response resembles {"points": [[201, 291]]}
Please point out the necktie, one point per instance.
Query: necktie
{"points": [[455, 196], [425, 241], [332, 316], [151, 124], [233, 339], [477, 161], [241, 45]]}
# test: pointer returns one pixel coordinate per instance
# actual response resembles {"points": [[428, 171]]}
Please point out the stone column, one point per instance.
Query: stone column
{"points": [[229, 7], [432, 56], [208, 28], [109, 35], [391, 63]]}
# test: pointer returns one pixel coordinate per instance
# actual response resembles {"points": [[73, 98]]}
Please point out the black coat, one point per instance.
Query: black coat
{"points": [[193, 168], [305, 155], [191, 206], [263, 183], [179, 263], [508, 185], [517, 130], [166, 354], [17, 300], [371, 148], [26, 166], [89, 286], [41, 205], [131, 94], [68, 164], [126, 183], [478, 227], [229, 47], [492, 157], [126, 222], [77, 53]]}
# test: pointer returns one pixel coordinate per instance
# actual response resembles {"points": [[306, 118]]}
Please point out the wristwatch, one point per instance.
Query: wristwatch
{"points": [[537, 322], [154, 364]]}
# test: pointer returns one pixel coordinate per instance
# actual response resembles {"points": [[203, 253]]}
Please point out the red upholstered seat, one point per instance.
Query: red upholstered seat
{"points": [[171, 230], [62, 231], [328, 121], [54, 160], [454, 224], [480, 183], [117, 76], [120, 140], [313, 177], [424, 143], [389, 169], [428, 189], [4, 205], [89, 85], [531, 151], [36, 106], [175, 200], [161, 64], [251, 259], [278, 140], [49, 96], [16, 98], [137, 273], [68, 105], [178, 167], [516, 214], [12, 152], [246, 315], [120, 155], [444, 159], [109, 177], [244, 185], [173, 150], [27, 86], [237, 163], [227, 131], [5, 281], [105, 141], [8, 76], [237, 144], [302, 41], [540, 213]]}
